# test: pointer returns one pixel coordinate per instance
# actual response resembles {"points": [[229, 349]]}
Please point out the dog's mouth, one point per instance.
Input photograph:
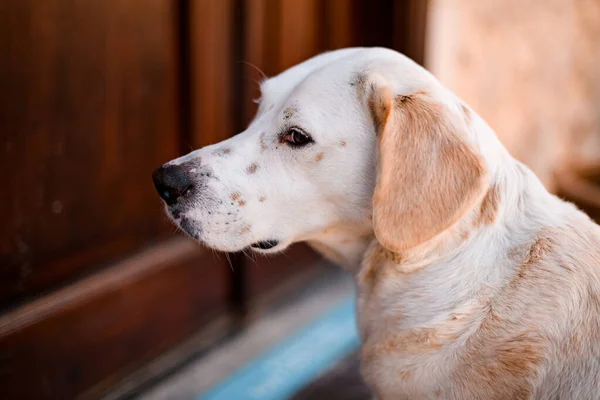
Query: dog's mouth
{"points": [[192, 229], [265, 244]]}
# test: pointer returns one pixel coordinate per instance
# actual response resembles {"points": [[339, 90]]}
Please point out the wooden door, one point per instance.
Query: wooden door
{"points": [[92, 281]]}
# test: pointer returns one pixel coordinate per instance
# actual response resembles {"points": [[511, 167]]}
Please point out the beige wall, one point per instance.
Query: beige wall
{"points": [[530, 68]]}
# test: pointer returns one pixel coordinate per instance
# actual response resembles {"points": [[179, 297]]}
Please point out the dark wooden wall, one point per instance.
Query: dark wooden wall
{"points": [[95, 95]]}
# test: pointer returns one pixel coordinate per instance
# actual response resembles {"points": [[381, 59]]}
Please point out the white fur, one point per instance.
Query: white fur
{"points": [[327, 202]]}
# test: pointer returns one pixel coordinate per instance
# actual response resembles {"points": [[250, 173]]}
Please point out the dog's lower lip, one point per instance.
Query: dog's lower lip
{"points": [[265, 244]]}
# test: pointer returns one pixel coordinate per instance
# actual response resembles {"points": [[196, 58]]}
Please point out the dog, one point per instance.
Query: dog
{"points": [[474, 282]]}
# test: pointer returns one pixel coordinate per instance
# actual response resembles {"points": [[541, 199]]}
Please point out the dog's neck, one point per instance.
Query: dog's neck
{"points": [[344, 244]]}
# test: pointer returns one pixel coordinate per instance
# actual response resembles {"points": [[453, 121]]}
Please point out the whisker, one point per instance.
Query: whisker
{"points": [[229, 262], [263, 75], [251, 255]]}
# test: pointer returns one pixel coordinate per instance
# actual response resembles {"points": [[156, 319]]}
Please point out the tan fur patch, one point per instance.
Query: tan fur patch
{"points": [[376, 256], [541, 246], [416, 341], [234, 196], [242, 203], [252, 168], [537, 250], [319, 157], [245, 230], [368, 275], [261, 199], [440, 178], [502, 365], [404, 375], [489, 206], [380, 105]]}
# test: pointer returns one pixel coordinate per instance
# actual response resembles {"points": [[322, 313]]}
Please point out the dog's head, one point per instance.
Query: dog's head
{"points": [[309, 159]]}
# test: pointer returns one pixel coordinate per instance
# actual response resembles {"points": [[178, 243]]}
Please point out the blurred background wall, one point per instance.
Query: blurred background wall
{"points": [[95, 94], [531, 69]]}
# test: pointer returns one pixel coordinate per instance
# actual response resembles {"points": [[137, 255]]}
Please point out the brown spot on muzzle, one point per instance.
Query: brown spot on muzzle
{"points": [[252, 168], [343, 143], [234, 196], [261, 199], [319, 157], [242, 203], [245, 230]]}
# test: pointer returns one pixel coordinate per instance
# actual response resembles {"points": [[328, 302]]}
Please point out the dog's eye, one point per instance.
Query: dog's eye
{"points": [[296, 137]]}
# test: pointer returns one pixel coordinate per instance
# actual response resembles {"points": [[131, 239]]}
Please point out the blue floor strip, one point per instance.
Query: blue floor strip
{"points": [[289, 366]]}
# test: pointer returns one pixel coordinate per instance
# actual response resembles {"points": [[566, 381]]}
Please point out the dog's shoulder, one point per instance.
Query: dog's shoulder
{"points": [[541, 331]]}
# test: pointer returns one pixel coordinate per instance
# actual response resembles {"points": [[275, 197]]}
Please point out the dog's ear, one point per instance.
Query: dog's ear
{"points": [[428, 176]]}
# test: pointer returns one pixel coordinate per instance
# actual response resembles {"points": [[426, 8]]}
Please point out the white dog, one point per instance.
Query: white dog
{"points": [[474, 281]]}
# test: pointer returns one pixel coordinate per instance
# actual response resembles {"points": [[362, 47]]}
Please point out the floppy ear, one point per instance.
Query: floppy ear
{"points": [[428, 176]]}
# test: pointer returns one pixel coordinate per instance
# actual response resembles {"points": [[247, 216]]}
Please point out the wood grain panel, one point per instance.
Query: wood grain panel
{"points": [[373, 23], [410, 17], [89, 110], [255, 57], [97, 331], [212, 65], [336, 19], [299, 32]]}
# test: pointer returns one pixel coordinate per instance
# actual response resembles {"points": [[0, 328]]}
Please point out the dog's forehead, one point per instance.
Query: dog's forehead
{"points": [[317, 68]]}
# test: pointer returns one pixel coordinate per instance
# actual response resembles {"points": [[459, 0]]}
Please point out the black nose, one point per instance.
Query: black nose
{"points": [[171, 182]]}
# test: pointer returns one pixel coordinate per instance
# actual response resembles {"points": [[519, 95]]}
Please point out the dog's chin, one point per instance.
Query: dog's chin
{"points": [[194, 230], [268, 246]]}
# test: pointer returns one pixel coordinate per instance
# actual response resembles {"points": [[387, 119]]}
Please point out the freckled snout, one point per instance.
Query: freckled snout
{"points": [[172, 182]]}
